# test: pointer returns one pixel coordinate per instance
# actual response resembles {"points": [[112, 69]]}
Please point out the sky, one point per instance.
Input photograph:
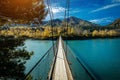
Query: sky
{"points": [[101, 12]]}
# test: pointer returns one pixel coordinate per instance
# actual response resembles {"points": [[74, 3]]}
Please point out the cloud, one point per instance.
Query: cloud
{"points": [[58, 9], [102, 20], [58, 12], [73, 11], [105, 7]]}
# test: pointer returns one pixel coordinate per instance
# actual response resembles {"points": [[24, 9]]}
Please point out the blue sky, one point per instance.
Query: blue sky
{"points": [[101, 12]]}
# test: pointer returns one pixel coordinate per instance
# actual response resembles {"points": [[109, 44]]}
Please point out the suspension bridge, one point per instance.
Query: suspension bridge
{"points": [[60, 64], [61, 69]]}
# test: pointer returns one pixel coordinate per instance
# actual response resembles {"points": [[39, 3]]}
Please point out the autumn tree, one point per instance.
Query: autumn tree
{"points": [[59, 30], [86, 33], [22, 10], [47, 32], [102, 33], [112, 33], [95, 33], [70, 31]]}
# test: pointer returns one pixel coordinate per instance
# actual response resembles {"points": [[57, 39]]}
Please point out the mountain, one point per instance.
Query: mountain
{"points": [[72, 21], [116, 23], [55, 22]]}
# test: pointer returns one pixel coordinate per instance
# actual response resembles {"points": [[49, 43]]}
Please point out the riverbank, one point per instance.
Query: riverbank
{"points": [[89, 37], [64, 37], [47, 33]]}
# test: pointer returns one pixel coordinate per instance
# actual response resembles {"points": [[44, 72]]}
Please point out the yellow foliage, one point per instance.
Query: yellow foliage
{"points": [[95, 33], [47, 32], [112, 33], [102, 33]]}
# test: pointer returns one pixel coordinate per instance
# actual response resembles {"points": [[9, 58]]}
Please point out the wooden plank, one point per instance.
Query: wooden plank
{"points": [[60, 71], [69, 74]]}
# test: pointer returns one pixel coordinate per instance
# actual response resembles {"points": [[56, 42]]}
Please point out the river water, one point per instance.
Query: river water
{"points": [[101, 56], [39, 47]]}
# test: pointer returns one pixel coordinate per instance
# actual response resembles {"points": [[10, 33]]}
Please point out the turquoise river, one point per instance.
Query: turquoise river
{"points": [[101, 56]]}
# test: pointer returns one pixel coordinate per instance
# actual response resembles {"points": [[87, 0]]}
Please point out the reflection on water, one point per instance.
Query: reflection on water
{"points": [[101, 56], [39, 47], [16, 63], [11, 60]]}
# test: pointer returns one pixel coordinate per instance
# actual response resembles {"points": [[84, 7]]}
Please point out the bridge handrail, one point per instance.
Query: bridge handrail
{"points": [[42, 58], [53, 64], [38, 62], [68, 52]]}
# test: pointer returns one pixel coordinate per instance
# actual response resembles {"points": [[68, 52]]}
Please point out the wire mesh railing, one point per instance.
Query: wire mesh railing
{"points": [[41, 70], [78, 68]]}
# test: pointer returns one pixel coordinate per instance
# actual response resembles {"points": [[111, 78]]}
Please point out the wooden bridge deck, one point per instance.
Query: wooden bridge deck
{"points": [[62, 70]]}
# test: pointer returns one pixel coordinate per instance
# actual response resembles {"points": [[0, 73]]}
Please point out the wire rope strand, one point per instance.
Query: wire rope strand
{"points": [[67, 20], [51, 21]]}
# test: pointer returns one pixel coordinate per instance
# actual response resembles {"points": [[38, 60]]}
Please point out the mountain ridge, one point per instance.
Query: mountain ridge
{"points": [[115, 23], [72, 21]]}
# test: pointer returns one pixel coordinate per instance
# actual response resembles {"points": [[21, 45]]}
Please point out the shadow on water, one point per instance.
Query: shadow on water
{"points": [[12, 60]]}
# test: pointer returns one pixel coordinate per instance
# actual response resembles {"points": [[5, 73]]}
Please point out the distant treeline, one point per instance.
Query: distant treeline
{"points": [[49, 32]]}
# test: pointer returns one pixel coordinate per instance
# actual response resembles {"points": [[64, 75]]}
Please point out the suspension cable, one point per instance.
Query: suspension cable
{"points": [[66, 20], [51, 21]]}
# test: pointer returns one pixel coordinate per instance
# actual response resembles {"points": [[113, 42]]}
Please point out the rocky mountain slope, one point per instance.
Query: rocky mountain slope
{"points": [[72, 21]]}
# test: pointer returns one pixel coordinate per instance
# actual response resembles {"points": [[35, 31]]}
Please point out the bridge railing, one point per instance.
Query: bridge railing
{"points": [[78, 68], [41, 70]]}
